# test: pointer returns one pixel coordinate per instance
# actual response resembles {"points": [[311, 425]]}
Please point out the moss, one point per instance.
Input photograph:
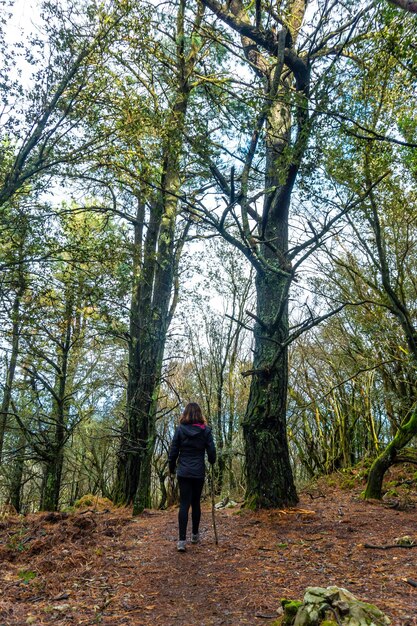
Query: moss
{"points": [[86, 500], [328, 622], [290, 611], [68, 509], [90, 500], [348, 483], [251, 503], [26, 575], [371, 608], [290, 606]]}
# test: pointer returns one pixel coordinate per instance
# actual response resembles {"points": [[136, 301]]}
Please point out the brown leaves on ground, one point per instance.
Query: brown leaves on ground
{"points": [[105, 567]]}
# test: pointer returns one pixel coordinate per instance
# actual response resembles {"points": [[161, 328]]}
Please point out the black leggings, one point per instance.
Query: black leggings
{"points": [[190, 494]]}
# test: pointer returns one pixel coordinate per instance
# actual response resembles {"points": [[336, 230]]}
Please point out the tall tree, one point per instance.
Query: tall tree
{"points": [[62, 304], [379, 141], [158, 233], [290, 66]]}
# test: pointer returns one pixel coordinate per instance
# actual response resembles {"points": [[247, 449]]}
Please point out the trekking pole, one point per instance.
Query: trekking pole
{"points": [[213, 516]]}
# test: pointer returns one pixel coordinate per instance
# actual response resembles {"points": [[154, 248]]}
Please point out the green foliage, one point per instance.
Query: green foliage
{"points": [[15, 540], [26, 575]]}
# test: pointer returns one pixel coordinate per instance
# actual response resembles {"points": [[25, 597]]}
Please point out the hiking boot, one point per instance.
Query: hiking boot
{"points": [[195, 537], [181, 546]]}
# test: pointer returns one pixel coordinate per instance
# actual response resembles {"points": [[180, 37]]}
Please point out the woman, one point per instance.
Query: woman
{"points": [[191, 440]]}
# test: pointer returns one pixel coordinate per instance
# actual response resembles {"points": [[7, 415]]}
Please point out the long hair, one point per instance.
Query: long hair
{"points": [[192, 414]]}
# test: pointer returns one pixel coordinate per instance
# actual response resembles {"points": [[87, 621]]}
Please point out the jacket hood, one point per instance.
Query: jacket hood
{"points": [[191, 430]]}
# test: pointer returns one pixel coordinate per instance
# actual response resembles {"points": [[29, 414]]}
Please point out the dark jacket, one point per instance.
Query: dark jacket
{"points": [[188, 446]]}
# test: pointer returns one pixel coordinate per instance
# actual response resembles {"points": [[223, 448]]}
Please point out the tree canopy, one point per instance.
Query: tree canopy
{"points": [[210, 202]]}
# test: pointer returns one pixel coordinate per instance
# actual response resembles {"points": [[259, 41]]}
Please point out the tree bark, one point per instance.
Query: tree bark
{"points": [[268, 470], [17, 472], [388, 457], [54, 456], [7, 396], [51, 482]]}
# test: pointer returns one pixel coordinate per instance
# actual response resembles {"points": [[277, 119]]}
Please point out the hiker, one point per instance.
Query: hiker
{"points": [[191, 439]]}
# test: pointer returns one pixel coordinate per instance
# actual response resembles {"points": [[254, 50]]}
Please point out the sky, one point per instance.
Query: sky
{"points": [[24, 16]]}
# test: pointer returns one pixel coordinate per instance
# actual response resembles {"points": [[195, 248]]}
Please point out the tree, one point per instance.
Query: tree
{"points": [[344, 391], [14, 256], [159, 233], [40, 139], [376, 145], [291, 66], [63, 308]]}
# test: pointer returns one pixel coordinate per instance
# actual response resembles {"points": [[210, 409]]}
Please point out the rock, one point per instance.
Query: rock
{"points": [[308, 615], [61, 607], [222, 503], [318, 595], [329, 606], [343, 594], [341, 606], [404, 541]]}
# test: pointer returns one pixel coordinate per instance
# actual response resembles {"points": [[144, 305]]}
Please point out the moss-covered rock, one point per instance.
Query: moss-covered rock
{"points": [[329, 607], [290, 611]]}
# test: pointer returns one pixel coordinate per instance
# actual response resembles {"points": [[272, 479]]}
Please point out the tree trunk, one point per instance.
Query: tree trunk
{"points": [[270, 480], [150, 318], [405, 433], [269, 475], [7, 396], [54, 460], [17, 473], [51, 483]]}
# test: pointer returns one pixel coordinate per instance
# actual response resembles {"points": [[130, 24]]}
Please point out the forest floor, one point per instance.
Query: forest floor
{"points": [[101, 566]]}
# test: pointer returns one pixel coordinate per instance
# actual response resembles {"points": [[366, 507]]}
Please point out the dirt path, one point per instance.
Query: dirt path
{"points": [[107, 568]]}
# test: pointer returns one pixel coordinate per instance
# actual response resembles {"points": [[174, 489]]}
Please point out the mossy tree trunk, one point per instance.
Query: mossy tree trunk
{"points": [[402, 310], [155, 289], [17, 469], [282, 74], [268, 470], [388, 457], [53, 455]]}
